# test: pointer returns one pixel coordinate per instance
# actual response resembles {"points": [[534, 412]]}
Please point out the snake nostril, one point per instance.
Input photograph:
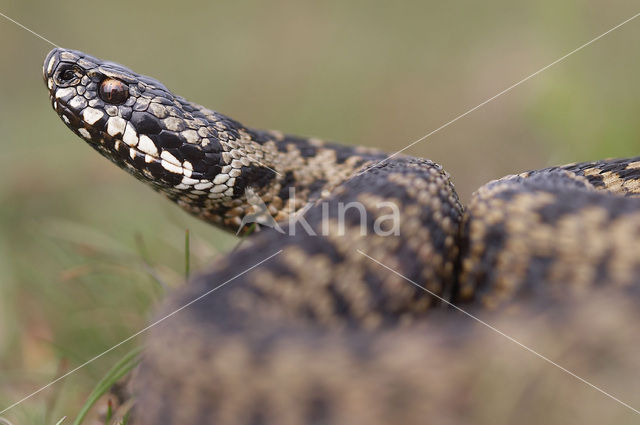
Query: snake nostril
{"points": [[67, 75]]}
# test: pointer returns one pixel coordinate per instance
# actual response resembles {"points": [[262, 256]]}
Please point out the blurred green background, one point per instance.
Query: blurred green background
{"points": [[80, 240]]}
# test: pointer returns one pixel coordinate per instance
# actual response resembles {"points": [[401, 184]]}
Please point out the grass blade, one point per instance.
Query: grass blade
{"points": [[124, 366], [187, 253]]}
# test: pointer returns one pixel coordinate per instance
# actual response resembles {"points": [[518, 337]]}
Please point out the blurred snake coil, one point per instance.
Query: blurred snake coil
{"points": [[320, 333]]}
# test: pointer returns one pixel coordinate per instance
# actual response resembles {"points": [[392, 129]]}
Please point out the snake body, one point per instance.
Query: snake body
{"points": [[332, 327]]}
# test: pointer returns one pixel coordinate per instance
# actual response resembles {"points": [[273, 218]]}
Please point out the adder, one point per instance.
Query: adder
{"points": [[328, 319]]}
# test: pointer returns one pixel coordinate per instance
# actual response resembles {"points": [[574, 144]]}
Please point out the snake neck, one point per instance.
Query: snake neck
{"points": [[258, 171]]}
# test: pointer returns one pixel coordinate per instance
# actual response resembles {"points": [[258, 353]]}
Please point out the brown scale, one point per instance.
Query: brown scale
{"points": [[552, 233], [351, 381]]}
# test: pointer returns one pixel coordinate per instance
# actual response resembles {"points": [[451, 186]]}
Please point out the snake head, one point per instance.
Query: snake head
{"points": [[180, 148]]}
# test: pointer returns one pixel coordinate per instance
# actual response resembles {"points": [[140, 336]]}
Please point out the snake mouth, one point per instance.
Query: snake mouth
{"points": [[138, 154], [97, 137], [68, 115], [141, 159]]}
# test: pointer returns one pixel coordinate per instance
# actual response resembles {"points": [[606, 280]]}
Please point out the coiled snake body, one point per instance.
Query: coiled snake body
{"points": [[329, 329]]}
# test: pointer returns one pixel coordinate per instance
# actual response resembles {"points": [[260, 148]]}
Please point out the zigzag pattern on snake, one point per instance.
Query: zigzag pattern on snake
{"points": [[320, 333]]}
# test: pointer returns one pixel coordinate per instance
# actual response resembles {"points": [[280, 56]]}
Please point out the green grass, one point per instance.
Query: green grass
{"points": [[102, 292], [119, 370]]}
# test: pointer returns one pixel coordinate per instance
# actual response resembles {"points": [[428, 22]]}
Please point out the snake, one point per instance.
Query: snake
{"points": [[327, 313]]}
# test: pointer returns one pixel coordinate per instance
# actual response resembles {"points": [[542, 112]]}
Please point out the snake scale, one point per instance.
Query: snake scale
{"points": [[336, 324]]}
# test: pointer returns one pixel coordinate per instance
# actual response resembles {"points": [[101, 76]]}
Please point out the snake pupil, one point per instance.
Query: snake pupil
{"points": [[114, 91]]}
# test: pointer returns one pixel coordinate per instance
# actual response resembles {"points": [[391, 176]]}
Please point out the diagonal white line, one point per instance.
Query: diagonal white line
{"points": [[266, 166], [31, 31], [138, 333], [500, 94], [546, 359]]}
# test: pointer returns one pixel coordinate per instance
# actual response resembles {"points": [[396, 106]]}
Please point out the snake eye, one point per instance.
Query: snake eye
{"points": [[67, 76], [114, 91]]}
